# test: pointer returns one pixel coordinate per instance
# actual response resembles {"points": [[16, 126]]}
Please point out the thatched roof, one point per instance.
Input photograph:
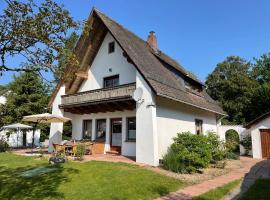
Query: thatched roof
{"points": [[158, 69]]}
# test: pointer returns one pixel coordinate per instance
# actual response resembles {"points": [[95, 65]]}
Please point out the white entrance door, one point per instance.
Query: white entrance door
{"points": [[116, 134]]}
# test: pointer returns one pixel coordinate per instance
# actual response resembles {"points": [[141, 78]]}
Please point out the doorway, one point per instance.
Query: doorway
{"points": [[265, 142], [116, 135]]}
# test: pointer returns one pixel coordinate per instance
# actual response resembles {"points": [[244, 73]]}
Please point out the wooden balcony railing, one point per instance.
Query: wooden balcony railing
{"points": [[104, 94]]}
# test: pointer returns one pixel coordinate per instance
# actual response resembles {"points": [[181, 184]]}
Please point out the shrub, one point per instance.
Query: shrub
{"points": [[3, 145], [188, 153], [247, 143], [232, 138], [80, 151], [218, 149]]}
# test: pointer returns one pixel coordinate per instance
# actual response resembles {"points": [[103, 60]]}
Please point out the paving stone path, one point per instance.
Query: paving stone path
{"points": [[252, 169]]}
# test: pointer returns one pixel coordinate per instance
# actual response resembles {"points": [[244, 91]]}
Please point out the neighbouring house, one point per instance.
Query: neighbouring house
{"points": [[259, 129], [128, 96], [22, 138], [3, 99]]}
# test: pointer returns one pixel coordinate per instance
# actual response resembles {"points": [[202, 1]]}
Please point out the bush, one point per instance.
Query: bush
{"points": [[247, 143], [3, 145], [231, 155], [218, 149], [188, 153], [80, 151], [232, 138]]}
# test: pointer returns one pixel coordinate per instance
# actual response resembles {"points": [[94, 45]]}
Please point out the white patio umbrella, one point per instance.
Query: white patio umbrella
{"points": [[18, 127], [44, 118]]}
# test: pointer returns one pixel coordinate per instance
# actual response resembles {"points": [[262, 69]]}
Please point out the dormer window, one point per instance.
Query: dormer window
{"points": [[111, 81], [111, 47]]}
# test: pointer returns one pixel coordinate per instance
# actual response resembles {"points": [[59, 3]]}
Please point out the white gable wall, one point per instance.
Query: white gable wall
{"points": [[3, 100], [256, 136], [174, 117], [102, 64]]}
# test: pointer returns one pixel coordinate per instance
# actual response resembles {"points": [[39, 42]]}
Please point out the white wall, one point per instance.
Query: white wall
{"points": [[128, 148], [3, 100], [174, 117], [56, 129], [105, 61], [256, 136], [146, 126]]}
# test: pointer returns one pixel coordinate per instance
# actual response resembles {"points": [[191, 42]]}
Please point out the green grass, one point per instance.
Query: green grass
{"points": [[219, 192], [90, 180], [260, 190]]}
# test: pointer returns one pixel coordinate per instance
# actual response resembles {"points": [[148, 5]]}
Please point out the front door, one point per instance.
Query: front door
{"points": [[265, 142], [116, 134]]}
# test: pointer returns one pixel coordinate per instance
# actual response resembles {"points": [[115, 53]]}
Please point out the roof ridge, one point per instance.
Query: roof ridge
{"points": [[179, 67]]}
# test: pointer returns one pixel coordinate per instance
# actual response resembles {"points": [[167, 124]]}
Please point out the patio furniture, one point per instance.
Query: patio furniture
{"points": [[59, 148], [89, 147]]}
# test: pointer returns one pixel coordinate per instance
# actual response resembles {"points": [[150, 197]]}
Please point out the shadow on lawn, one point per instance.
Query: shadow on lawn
{"points": [[15, 186]]}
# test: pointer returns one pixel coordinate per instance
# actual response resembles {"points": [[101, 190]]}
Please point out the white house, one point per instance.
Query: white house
{"points": [[3, 99], [259, 129], [99, 98]]}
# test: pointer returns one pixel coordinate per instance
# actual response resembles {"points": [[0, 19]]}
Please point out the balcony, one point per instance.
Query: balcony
{"points": [[100, 100]]}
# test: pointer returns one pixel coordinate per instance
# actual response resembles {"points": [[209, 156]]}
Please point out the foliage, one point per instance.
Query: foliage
{"points": [[217, 147], [80, 151], [219, 192], [247, 143], [231, 85], [232, 141], [241, 87], [36, 33], [3, 145], [28, 95], [65, 55], [72, 180], [67, 131], [188, 153]]}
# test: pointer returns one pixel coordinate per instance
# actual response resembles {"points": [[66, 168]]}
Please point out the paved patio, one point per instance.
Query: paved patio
{"points": [[195, 190], [97, 157]]}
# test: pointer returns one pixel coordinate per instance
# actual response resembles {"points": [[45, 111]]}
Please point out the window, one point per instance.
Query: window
{"points": [[87, 129], [131, 129], [101, 129], [111, 47], [111, 81], [198, 126]]}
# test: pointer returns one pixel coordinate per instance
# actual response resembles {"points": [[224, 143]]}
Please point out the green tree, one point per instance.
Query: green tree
{"points": [[28, 95], [35, 32], [65, 55], [230, 84]]}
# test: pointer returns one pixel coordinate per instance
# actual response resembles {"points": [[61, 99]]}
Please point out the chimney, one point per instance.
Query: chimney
{"points": [[152, 41]]}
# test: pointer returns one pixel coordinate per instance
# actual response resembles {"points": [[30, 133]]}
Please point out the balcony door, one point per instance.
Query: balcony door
{"points": [[116, 134]]}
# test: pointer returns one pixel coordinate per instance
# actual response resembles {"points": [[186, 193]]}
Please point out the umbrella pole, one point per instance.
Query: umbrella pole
{"points": [[33, 137]]}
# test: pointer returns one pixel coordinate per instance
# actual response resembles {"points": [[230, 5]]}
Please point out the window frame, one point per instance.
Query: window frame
{"points": [[199, 122], [96, 130], [111, 47], [111, 78], [127, 130], [83, 123]]}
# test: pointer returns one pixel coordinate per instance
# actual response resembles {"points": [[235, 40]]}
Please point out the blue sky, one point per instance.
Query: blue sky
{"points": [[198, 34]]}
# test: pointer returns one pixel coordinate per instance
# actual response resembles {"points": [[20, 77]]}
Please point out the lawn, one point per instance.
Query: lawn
{"points": [[22, 178], [219, 192], [260, 190]]}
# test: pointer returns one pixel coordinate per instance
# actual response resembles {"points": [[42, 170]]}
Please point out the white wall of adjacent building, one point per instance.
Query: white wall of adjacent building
{"points": [[254, 130], [56, 129], [108, 64], [173, 118]]}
